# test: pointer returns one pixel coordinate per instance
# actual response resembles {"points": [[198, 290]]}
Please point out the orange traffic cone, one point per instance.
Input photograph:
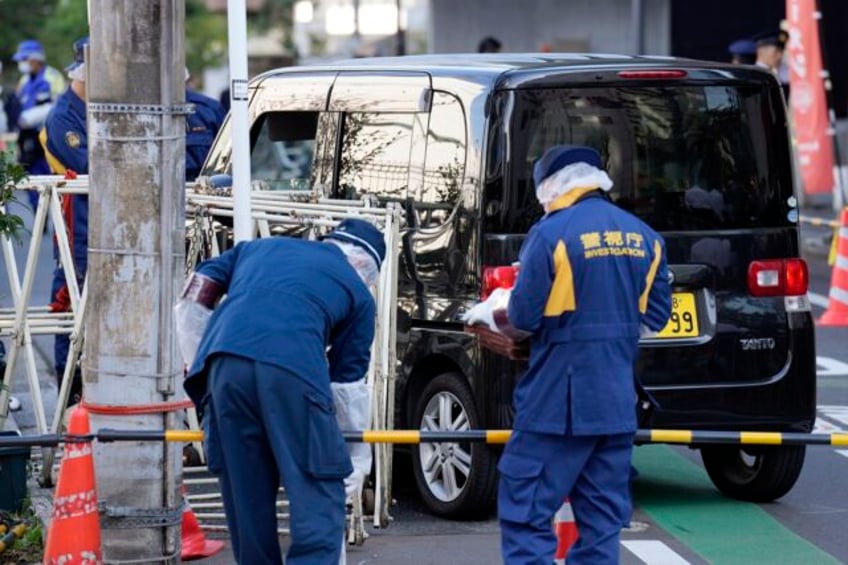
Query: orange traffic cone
{"points": [[837, 310], [194, 543], [566, 531], [74, 534]]}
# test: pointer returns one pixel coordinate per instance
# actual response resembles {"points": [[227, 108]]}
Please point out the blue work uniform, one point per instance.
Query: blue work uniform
{"points": [[590, 274], [201, 128], [263, 372], [36, 90], [66, 148]]}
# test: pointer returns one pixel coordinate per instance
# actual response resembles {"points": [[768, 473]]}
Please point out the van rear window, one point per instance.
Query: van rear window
{"points": [[681, 157]]}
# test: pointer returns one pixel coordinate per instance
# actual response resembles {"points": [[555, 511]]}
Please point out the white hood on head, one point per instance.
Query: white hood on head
{"points": [[576, 175]]}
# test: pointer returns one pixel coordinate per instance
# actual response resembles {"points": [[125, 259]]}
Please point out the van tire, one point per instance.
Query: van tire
{"points": [[754, 473], [473, 497]]}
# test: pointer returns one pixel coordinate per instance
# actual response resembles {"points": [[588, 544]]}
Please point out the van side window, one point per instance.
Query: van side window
{"points": [[444, 165], [282, 149], [374, 155]]}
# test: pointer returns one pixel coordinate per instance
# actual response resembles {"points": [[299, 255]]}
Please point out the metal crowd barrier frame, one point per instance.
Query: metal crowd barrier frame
{"points": [[316, 215], [24, 319]]}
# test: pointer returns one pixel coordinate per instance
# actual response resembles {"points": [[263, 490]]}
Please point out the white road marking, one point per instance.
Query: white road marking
{"points": [[832, 418], [654, 552], [843, 452], [818, 299], [829, 367]]}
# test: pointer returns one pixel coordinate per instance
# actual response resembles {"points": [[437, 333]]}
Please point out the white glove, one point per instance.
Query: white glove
{"points": [[482, 313], [191, 320], [645, 332], [352, 402]]}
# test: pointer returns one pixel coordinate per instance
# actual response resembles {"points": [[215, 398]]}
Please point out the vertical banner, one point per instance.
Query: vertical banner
{"points": [[807, 83]]}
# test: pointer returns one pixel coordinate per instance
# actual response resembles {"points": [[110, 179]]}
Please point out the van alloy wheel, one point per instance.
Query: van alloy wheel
{"points": [[753, 473], [455, 480], [446, 466]]}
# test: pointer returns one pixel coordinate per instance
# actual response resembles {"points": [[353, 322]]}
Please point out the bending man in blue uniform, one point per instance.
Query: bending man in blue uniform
{"points": [[590, 276], [262, 373]]}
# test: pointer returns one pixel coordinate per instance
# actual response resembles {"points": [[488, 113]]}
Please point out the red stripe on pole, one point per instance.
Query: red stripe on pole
{"points": [[807, 97]]}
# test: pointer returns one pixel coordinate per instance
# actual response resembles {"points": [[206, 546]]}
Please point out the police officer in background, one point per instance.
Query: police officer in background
{"points": [[201, 128], [37, 90], [770, 48], [742, 52], [66, 147], [591, 277], [262, 373]]}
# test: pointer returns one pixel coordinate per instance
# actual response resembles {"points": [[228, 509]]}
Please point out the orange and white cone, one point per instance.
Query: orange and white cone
{"points": [[566, 531], [74, 534], [837, 309], [194, 543]]}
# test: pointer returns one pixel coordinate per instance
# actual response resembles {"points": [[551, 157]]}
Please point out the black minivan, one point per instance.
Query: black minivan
{"points": [[698, 150]]}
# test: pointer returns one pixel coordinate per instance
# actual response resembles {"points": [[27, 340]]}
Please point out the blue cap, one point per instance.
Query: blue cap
{"points": [[363, 234], [29, 49], [79, 53], [559, 156], [742, 47]]}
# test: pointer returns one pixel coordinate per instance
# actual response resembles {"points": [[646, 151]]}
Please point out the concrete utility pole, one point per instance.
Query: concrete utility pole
{"points": [[136, 134]]}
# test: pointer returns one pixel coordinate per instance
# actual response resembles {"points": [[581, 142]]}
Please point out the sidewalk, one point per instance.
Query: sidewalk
{"points": [[398, 545]]}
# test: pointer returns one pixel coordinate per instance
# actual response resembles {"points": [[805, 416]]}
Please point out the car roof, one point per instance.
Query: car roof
{"points": [[513, 69]]}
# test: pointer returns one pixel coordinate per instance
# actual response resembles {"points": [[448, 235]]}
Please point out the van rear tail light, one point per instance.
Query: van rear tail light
{"points": [[497, 277], [653, 74], [778, 277]]}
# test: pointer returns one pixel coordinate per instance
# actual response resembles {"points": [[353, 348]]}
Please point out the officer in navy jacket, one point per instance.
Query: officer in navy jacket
{"points": [[202, 126], [591, 276], [263, 372], [65, 143]]}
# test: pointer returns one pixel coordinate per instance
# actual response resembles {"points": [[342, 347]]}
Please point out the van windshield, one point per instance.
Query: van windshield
{"points": [[681, 157]]}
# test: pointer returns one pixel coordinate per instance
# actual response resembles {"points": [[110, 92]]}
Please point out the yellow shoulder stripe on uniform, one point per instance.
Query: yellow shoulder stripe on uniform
{"points": [[561, 299], [52, 161], [649, 279], [569, 198]]}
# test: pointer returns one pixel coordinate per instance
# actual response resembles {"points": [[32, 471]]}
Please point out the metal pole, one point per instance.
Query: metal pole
{"points": [[637, 26], [237, 38], [136, 134], [401, 36]]}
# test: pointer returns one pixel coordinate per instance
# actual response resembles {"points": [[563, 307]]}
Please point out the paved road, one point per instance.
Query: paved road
{"points": [[679, 518]]}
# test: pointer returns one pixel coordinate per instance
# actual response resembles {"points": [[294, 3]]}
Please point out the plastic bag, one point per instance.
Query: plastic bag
{"points": [[353, 412], [191, 319], [484, 312]]}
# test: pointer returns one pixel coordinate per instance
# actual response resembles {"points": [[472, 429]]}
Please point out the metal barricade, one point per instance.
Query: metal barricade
{"points": [[310, 216], [206, 236]]}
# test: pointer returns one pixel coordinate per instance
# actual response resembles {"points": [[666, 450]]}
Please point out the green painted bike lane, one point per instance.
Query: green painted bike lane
{"points": [[679, 497]]}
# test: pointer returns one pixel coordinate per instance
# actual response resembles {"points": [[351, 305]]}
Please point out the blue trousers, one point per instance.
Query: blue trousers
{"points": [[265, 426], [537, 473]]}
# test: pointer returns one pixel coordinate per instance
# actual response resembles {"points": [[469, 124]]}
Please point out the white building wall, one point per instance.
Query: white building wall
{"points": [[601, 26]]}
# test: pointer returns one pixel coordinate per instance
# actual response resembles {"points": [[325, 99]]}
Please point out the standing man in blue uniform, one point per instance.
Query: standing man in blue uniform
{"points": [[66, 148], [262, 374], [590, 276], [201, 128], [38, 89]]}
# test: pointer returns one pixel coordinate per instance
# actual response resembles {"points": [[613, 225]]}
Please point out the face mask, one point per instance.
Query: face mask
{"points": [[24, 67]]}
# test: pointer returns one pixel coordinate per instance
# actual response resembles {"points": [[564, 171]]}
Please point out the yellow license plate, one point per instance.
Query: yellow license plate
{"points": [[684, 317]]}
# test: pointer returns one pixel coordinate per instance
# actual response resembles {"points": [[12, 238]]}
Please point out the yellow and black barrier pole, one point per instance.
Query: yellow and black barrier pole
{"points": [[682, 437], [685, 437]]}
